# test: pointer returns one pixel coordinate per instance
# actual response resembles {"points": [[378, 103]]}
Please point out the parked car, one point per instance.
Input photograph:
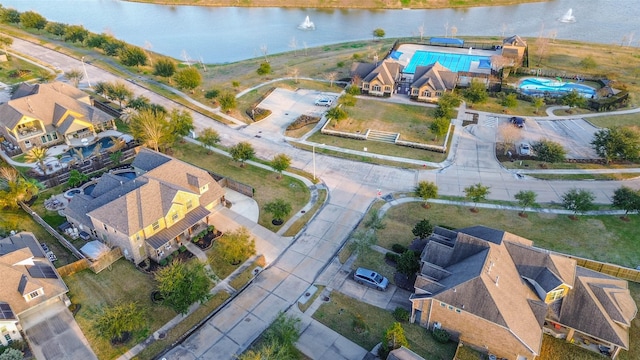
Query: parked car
{"points": [[324, 102], [525, 149], [517, 121], [371, 278]]}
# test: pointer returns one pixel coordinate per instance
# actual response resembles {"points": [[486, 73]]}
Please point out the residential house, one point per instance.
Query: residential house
{"points": [[430, 82], [403, 353], [381, 80], [514, 47], [28, 283], [49, 114], [493, 290], [150, 215]]}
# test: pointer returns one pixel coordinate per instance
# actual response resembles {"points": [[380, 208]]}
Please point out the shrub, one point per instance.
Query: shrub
{"points": [[408, 263], [163, 262], [441, 335], [401, 314], [391, 256], [169, 258], [175, 253], [212, 94], [397, 248], [182, 249]]}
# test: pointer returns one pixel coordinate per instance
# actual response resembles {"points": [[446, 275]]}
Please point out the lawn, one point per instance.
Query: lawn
{"points": [[267, 186], [122, 283], [16, 70], [607, 121], [411, 121], [586, 237], [340, 312]]}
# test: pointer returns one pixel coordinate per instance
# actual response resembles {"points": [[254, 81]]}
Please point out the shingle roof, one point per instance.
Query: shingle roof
{"points": [[435, 76], [165, 235], [361, 70], [386, 72], [514, 40]]}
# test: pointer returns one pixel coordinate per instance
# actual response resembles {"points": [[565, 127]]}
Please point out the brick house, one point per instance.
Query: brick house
{"points": [[150, 215], [43, 115], [493, 290]]}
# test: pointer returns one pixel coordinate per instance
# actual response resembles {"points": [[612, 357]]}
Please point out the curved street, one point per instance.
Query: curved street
{"points": [[352, 188]]}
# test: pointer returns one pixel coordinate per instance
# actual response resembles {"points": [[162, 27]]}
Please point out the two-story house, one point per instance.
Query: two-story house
{"points": [[378, 80], [28, 283], [150, 215], [44, 115], [430, 82], [493, 290]]}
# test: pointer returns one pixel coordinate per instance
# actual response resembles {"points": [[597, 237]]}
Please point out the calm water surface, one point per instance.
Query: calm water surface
{"points": [[218, 35]]}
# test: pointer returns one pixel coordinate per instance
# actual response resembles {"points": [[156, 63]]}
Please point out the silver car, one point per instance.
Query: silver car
{"points": [[371, 278]]}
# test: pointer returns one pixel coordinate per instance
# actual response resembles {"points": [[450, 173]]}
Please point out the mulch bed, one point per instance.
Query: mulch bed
{"points": [[206, 242]]}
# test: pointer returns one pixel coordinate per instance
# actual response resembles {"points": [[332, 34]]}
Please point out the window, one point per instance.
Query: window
{"points": [[376, 88], [426, 93], [556, 294], [174, 217], [365, 86], [138, 237], [450, 307], [458, 311], [438, 93], [105, 227], [156, 225], [443, 304], [189, 204], [33, 295], [8, 338]]}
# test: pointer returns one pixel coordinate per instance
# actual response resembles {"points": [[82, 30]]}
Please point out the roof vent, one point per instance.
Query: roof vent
{"points": [[497, 279]]}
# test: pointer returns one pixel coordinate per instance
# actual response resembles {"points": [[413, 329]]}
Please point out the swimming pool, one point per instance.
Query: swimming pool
{"points": [[106, 142], [453, 62], [553, 87]]}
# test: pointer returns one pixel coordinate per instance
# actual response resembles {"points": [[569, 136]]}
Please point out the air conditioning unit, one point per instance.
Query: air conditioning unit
{"points": [[161, 253], [167, 247], [436, 325]]}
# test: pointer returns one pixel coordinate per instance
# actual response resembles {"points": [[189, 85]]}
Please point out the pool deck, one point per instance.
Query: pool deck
{"points": [[408, 50]]}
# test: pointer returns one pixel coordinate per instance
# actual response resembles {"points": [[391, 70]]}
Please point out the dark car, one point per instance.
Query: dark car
{"points": [[517, 121], [371, 278]]}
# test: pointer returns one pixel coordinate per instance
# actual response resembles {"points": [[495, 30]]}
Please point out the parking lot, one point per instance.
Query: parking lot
{"points": [[575, 135]]}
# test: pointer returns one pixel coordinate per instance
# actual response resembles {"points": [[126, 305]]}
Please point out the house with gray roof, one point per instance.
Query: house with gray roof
{"points": [[378, 79], [43, 115], [150, 215], [493, 290], [430, 82], [28, 283]]}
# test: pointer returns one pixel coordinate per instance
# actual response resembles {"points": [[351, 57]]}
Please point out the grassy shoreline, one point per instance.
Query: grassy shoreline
{"points": [[345, 4]]}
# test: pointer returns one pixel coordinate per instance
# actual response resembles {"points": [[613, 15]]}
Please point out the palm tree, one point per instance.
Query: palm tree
{"points": [[74, 75], [39, 155], [152, 129], [14, 188]]}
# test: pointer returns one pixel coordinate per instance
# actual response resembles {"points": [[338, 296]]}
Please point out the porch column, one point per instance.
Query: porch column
{"points": [[570, 334], [615, 352]]}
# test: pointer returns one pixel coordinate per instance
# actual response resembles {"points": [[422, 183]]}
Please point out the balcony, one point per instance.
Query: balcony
{"points": [[27, 132]]}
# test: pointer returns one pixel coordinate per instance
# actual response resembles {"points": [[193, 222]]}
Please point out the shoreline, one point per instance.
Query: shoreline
{"points": [[343, 4]]}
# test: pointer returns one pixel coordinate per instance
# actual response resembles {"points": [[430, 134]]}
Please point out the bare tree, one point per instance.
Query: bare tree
{"points": [[185, 56], [454, 31], [499, 62], [294, 45], [553, 34], [446, 29], [421, 31], [510, 135], [331, 77], [264, 50], [147, 48], [304, 45], [542, 43], [294, 73], [504, 28]]}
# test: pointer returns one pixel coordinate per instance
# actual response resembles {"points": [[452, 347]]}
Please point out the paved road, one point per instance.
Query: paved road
{"points": [[352, 187]]}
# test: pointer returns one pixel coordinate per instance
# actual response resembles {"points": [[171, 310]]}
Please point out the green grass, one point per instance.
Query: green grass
{"points": [[340, 311], [607, 121], [586, 237], [122, 283], [305, 306], [302, 221], [267, 186], [245, 276], [156, 347], [9, 70]]}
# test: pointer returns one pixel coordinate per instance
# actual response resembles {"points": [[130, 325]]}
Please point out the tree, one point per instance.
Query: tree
{"points": [[626, 199], [426, 190], [378, 33], [394, 338], [588, 63], [242, 152], [115, 322], [439, 126], [280, 163], [39, 155], [578, 201], [361, 242], [209, 138], [336, 113], [375, 220], [152, 129], [236, 246], [573, 99], [74, 75], [446, 105], [115, 157], [526, 198], [12, 354], [538, 103], [264, 69], [422, 229], [181, 122], [119, 91], [164, 67], [278, 341], [15, 188], [331, 77], [182, 284], [212, 94], [476, 93], [76, 178], [10, 16], [75, 33], [617, 143], [476, 193], [97, 41], [5, 42], [279, 209], [33, 20], [510, 135], [227, 101], [510, 101], [188, 78], [408, 263], [548, 151], [132, 56]]}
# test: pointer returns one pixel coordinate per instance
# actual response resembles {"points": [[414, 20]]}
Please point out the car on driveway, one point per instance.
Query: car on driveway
{"points": [[525, 149], [324, 102], [371, 278]]}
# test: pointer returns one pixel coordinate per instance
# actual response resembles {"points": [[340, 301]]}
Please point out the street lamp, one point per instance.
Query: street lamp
{"points": [[313, 149], [85, 72]]}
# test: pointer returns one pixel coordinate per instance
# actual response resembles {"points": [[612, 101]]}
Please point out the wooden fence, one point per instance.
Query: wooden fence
{"points": [[106, 260], [618, 271], [73, 268]]}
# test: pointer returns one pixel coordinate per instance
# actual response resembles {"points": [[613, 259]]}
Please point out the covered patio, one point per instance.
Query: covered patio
{"points": [[168, 240]]}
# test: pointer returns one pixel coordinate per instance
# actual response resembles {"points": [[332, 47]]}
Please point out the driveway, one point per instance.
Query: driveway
{"points": [[54, 335]]}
